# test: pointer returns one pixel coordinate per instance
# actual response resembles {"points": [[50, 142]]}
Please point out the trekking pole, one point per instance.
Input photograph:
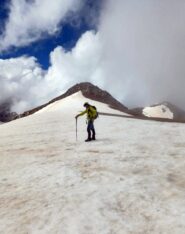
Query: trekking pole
{"points": [[76, 130]]}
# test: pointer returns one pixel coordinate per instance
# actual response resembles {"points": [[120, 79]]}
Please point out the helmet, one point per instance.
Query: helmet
{"points": [[86, 104]]}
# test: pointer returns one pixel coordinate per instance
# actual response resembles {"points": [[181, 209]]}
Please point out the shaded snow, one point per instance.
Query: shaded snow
{"points": [[160, 111], [131, 180]]}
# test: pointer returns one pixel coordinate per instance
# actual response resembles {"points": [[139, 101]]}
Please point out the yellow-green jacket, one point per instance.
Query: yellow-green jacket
{"points": [[91, 113]]}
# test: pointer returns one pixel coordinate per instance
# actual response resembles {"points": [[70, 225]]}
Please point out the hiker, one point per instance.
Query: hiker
{"points": [[91, 116]]}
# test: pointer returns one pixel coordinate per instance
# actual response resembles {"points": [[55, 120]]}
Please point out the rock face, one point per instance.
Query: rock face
{"points": [[138, 111], [93, 92], [5, 114], [89, 91]]}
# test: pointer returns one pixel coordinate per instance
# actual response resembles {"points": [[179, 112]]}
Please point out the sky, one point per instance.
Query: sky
{"points": [[133, 49]]}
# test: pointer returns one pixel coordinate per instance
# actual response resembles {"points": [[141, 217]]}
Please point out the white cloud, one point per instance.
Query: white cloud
{"points": [[83, 63], [137, 55], [27, 85], [19, 79], [30, 20], [143, 45]]}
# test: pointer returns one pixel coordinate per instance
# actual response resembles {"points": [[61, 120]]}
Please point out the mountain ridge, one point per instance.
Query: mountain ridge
{"points": [[95, 93], [89, 91]]}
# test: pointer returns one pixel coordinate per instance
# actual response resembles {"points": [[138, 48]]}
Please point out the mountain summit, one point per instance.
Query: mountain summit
{"points": [[89, 91], [95, 93]]}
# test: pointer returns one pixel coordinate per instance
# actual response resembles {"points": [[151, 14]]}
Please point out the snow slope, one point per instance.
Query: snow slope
{"points": [[158, 111], [131, 180], [74, 103]]}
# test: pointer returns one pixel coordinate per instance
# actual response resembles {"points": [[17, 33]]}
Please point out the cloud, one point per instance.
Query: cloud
{"points": [[143, 45], [83, 63], [137, 55], [30, 20], [21, 83], [26, 85]]}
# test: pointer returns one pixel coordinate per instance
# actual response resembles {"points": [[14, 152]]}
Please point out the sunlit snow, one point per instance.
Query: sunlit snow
{"points": [[159, 111], [131, 180]]}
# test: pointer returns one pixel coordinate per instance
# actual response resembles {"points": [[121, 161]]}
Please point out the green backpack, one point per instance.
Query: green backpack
{"points": [[95, 114]]}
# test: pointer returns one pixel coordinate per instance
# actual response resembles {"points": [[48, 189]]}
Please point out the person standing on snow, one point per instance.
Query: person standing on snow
{"points": [[91, 116]]}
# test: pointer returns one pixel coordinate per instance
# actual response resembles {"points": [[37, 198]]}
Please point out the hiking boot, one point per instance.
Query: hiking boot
{"points": [[93, 136], [88, 139]]}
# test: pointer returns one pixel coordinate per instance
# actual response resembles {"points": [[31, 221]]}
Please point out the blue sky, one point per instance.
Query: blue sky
{"points": [[41, 49], [69, 33]]}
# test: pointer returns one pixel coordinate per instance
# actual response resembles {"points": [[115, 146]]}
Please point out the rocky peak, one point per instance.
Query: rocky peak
{"points": [[89, 91], [95, 93]]}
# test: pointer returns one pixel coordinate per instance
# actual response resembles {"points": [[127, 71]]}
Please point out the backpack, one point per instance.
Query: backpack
{"points": [[96, 115]]}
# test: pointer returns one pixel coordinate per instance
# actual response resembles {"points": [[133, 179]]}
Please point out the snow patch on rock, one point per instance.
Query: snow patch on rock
{"points": [[159, 111]]}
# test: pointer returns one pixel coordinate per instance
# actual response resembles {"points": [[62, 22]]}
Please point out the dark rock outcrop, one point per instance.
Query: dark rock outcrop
{"points": [[5, 113], [138, 111]]}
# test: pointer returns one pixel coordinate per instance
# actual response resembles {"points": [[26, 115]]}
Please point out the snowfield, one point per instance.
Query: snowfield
{"points": [[130, 181]]}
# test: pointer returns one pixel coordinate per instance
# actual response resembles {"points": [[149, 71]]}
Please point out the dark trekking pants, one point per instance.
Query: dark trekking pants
{"points": [[90, 129]]}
